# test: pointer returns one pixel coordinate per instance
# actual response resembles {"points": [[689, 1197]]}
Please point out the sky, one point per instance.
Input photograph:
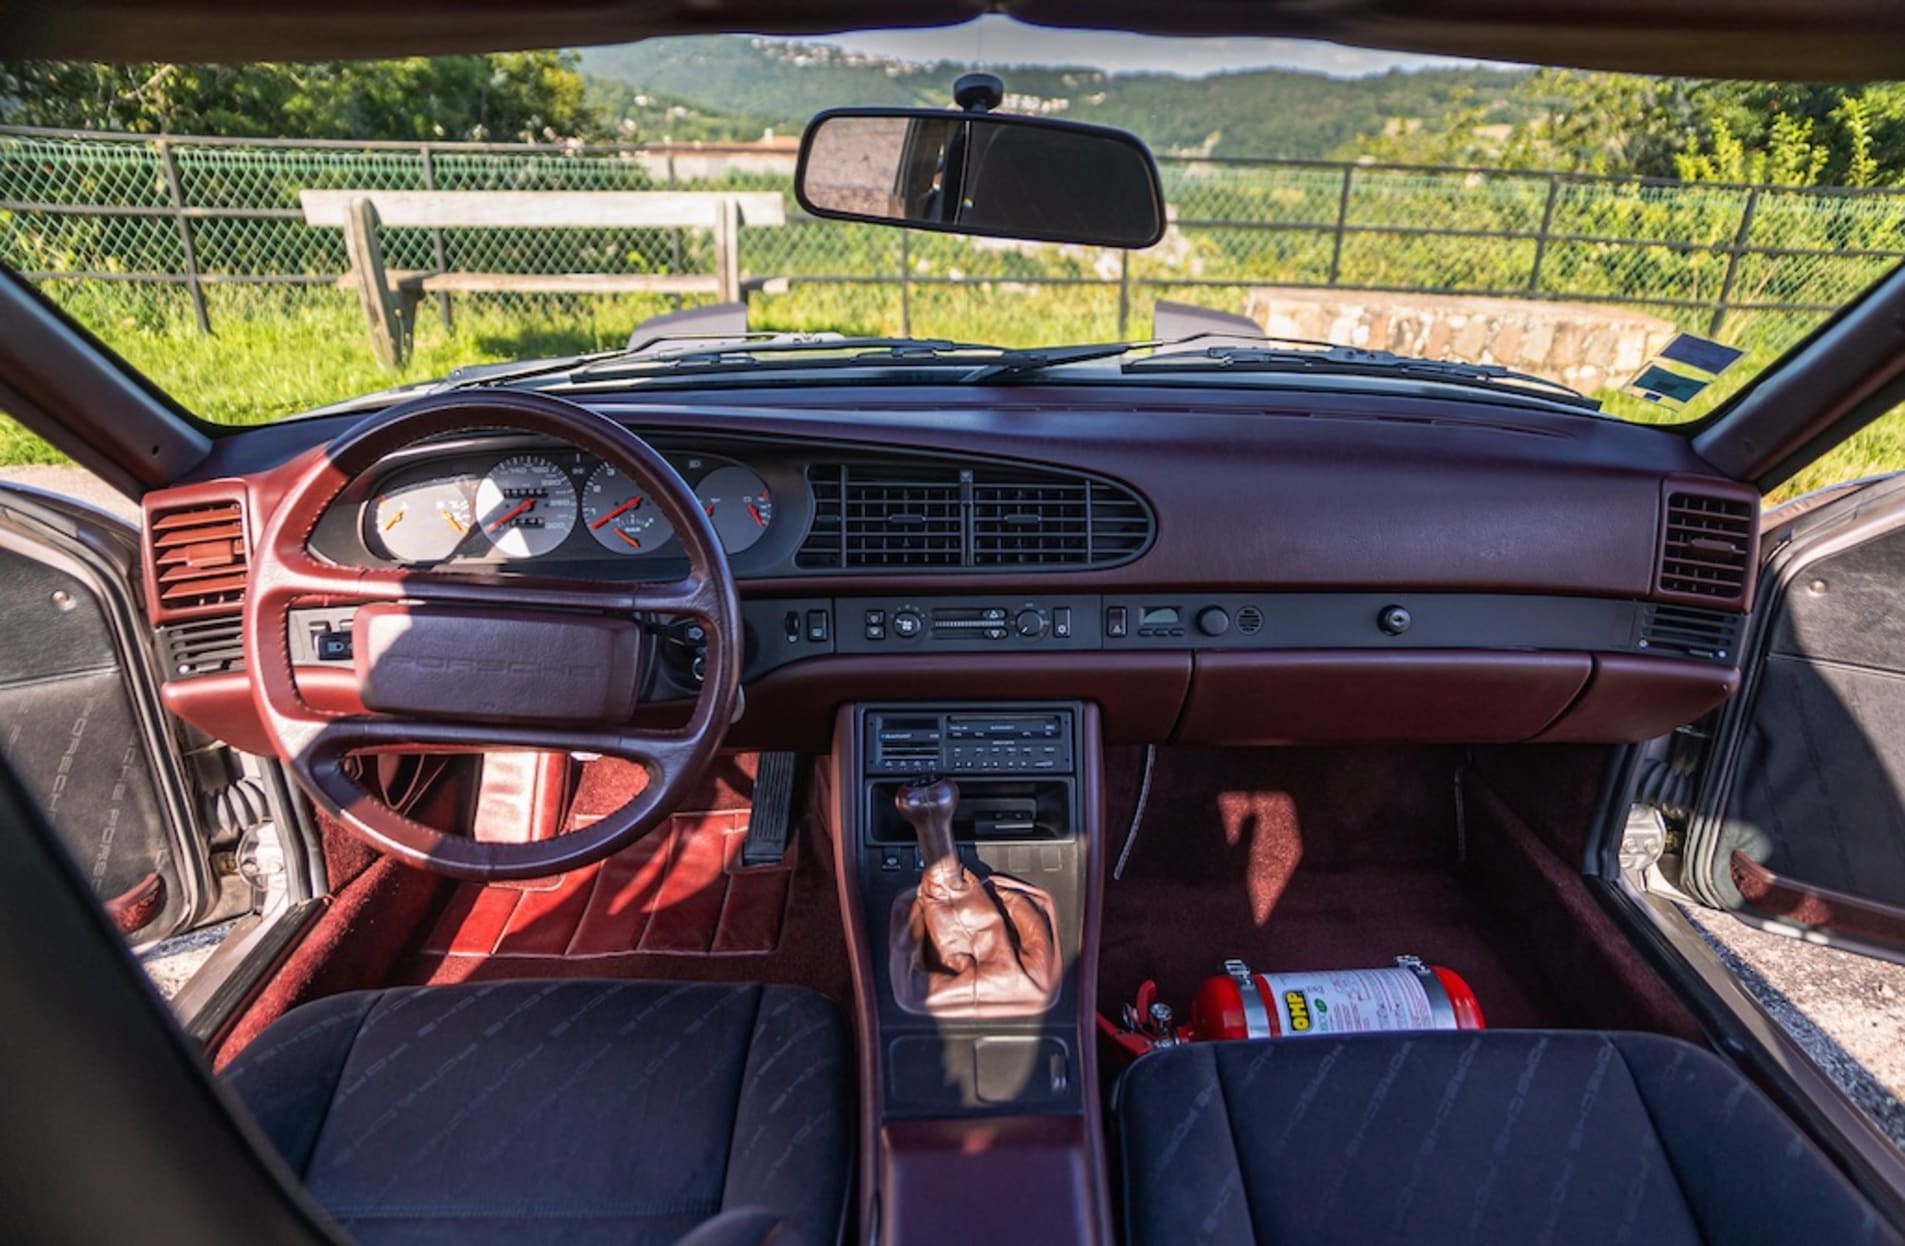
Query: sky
{"points": [[1002, 41]]}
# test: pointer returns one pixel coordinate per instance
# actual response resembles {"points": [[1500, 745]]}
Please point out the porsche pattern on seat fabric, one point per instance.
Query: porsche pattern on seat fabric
{"points": [[1568, 1138], [571, 1112]]}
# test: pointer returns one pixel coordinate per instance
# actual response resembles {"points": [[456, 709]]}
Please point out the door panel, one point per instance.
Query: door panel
{"points": [[1810, 785], [79, 719]]}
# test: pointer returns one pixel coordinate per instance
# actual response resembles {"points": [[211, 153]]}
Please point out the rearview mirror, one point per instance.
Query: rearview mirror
{"points": [[981, 173]]}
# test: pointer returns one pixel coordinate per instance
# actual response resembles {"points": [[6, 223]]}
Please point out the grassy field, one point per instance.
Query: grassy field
{"points": [[276, 354]]}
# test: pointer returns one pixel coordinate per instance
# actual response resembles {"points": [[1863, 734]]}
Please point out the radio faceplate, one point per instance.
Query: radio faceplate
{"points": [[906, 743]]}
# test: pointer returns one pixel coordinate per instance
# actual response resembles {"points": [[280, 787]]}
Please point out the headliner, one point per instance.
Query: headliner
{"points": [[1794, 40]]}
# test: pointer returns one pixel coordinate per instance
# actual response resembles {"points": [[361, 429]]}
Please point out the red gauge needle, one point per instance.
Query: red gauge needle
{"points": [[756, 512], [514, 511], [623, 509], [633, 543]]}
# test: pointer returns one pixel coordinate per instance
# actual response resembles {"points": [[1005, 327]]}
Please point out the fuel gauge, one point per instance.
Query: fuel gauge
{"points": [[738, 502], [424, 522]]}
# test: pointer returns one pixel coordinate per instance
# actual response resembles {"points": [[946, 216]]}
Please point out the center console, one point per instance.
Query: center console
{"points": [[983, 1079]]}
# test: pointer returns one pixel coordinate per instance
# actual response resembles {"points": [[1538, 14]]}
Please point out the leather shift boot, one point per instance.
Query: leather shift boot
{"points": [[964, 946]]}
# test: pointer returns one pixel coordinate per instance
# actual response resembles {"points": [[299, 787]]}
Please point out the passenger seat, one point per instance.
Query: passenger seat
{"points": [[1569, 1138]]}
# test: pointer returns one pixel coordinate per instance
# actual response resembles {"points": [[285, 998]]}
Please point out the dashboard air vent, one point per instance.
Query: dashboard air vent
{"points": [[1690, 631], [198, 558], [1706, 548], [203, 647], [926, 514]]}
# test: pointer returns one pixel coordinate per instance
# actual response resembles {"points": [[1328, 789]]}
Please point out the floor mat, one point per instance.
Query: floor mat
{"points": [[681, 891]]}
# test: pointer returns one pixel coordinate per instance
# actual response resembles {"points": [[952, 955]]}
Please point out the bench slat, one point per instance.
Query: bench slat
{"points": [[549, 209]]}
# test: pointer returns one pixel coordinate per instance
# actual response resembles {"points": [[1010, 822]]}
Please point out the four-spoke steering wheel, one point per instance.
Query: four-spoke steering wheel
{"points": [[454, 661]]}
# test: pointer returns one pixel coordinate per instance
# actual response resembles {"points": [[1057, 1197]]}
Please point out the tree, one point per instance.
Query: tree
{"points": [[515, 95]]}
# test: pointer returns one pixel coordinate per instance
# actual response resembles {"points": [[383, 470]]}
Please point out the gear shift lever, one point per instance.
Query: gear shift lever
{"points": [[966, 946], [928, 806]]}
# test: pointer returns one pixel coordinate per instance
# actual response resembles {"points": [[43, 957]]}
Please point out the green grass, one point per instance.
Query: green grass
{"points": [[273, 353]]}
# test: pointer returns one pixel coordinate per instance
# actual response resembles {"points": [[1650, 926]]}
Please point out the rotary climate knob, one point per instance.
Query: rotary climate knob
{"points": [[1213, 620], [1030, 624]]}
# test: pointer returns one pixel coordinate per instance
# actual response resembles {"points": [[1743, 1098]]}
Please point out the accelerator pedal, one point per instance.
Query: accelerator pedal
{"points": [[773, 812]]}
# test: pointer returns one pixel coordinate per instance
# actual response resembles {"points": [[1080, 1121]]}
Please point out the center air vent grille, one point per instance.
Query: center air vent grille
{"points": [[1706, 548], [926, 514], [198, 559], [1690, 631]]}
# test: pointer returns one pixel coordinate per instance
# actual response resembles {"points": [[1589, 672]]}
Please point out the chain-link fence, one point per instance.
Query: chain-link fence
{"points": [[189, 226]]}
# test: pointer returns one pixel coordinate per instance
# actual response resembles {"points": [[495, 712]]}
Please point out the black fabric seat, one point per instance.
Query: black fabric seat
{"points": [[1500, 1137], [559, 1112]]}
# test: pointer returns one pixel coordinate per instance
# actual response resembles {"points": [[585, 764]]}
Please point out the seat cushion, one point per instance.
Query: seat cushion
{"points": [[1495, 1137], [559, 1112]]}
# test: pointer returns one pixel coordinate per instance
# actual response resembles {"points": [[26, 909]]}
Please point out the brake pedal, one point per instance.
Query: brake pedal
{"points": [[771, 817]]}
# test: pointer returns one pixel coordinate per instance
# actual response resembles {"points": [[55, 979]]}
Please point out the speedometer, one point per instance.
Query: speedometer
{"points": [[526, 506]]}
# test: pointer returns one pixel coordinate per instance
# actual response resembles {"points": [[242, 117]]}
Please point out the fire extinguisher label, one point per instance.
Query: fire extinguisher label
{"points": [[1349, 1001]]}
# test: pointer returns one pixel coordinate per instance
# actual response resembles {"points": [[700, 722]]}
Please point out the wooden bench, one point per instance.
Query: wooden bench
{"points": [[390, 296]]}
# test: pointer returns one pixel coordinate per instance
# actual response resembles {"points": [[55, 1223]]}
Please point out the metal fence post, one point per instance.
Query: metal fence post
{"points": [[1342, 219], [1541, 239], [1124, 295], [906, 283], [1733, 262], [170, 164], [674, 263], [438, 255]]}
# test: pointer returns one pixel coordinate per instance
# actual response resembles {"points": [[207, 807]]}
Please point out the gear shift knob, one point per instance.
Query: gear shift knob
{"points": [[928, 807]]}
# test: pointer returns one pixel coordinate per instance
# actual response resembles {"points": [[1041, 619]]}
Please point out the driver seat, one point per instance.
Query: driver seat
{"points": [[573, 1112]]}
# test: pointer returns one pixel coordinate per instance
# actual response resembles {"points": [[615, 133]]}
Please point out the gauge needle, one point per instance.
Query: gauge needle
{"points": [[514, 511], [395, 519], [756, 512], [633, 543], [624, 508], [452, 521]]}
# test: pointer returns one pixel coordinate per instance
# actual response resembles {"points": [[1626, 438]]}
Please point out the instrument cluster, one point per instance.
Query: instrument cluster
{"points": [[553, 504]]}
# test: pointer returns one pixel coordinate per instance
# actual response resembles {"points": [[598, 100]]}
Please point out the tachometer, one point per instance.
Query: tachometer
{"points": [[526, 506], [424, 522], [737, 501], [621, 516]]}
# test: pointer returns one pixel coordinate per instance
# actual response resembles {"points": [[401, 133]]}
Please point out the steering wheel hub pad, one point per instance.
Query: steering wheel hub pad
{"points": [[496, 666]]}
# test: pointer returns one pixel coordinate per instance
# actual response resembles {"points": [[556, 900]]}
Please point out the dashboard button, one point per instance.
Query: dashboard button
{"points": [[817, 626], [1062, 623], [1213, 620], [907, 624], [1117, 622]]}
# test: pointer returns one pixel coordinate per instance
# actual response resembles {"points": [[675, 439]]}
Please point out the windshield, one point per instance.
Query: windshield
{"points": [[1651, 243]]}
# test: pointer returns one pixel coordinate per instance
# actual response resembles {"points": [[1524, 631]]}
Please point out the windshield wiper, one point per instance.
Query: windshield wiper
{"points": [[1356, 361]]}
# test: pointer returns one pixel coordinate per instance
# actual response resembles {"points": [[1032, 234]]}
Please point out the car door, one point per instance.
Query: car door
{"points": [[81, 724], [1800, 817]]}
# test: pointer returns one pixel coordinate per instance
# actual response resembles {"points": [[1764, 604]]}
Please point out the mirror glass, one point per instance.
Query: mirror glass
{"points": [[1014, 177]]}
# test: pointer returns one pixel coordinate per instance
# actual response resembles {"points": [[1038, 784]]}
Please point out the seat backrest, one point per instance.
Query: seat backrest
{"points": [[546, 209], [114, 1129]]}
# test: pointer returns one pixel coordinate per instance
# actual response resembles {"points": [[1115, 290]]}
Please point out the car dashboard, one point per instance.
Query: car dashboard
{"points": [[1223, 567]]}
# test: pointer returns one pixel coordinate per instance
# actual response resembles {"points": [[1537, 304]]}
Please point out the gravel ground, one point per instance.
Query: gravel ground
{"points": [[172, 963], [1846, 1010]]}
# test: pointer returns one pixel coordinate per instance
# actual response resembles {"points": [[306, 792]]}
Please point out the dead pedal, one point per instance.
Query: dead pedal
{"points": [[772, 816]]}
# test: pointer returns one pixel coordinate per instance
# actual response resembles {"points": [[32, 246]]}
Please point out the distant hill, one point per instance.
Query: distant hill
{"points": [[734, 86]]}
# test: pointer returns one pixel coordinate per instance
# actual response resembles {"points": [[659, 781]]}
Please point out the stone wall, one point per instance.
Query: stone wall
{"points": [[1582, 346]]}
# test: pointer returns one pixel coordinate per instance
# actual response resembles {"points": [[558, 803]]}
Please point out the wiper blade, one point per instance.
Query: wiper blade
{"points": [[1356, 361]]}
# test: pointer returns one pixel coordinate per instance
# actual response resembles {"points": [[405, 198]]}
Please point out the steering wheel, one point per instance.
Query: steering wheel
{"points": [[461, 662]]}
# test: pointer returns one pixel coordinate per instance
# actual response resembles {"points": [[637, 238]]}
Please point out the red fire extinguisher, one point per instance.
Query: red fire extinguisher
{"points": [[1407, 996]]}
